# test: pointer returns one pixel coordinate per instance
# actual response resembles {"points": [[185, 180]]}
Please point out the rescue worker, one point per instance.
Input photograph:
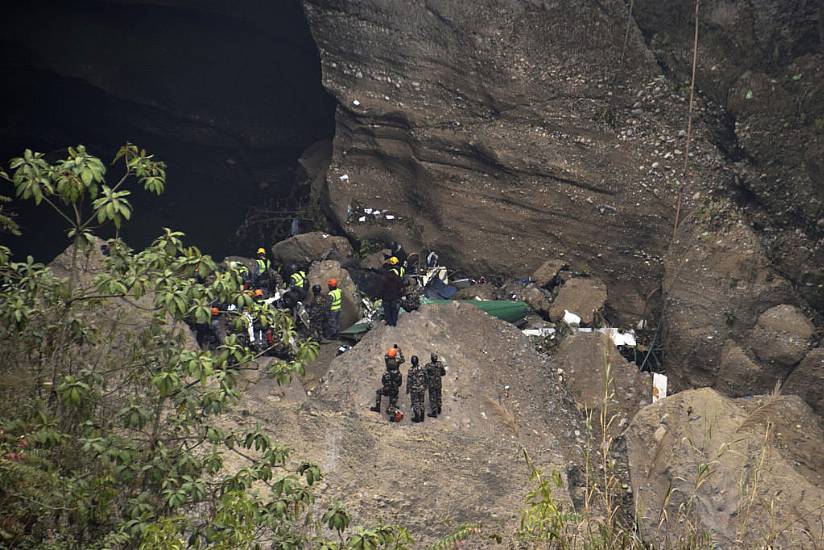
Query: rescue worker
{"points": [[297, 278], [335, 304], [416, 388], [206, 333], [390, 291], [396, 267], [391, 381], [411, 300], [242, 270], [435, 370], [317, 313], [263, 269], [396, 250], [394, 360]]}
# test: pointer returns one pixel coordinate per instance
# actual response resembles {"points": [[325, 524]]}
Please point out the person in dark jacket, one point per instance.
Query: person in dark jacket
{"points": [[390, 291]]}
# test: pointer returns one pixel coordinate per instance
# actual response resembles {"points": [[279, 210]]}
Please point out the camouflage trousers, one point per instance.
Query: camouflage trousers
{"points": [[391, 393], [435, 399], [417, 398]]}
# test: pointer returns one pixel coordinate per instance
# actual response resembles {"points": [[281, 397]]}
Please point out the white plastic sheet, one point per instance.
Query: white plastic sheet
{"points": [[542, 332], [659, 386], [571, 319]]}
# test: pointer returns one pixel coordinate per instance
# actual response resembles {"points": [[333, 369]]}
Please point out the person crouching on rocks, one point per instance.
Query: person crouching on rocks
{"points": [[391, 381]]}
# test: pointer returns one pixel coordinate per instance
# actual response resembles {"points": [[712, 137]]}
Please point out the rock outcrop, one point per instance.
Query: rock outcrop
{"points": [[781, 336], [583, 359], [583, 296], [763, 62], [523, 149], [716, 285], [308, 247], [807, 380], [749, 473]]}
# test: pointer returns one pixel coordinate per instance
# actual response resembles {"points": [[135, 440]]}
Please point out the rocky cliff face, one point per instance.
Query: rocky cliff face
{"points": [[763, 62], [503, 133], [506, 132]]}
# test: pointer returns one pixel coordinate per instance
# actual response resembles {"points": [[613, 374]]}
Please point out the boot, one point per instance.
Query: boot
{"points": [[375, 409], [433, 414]]}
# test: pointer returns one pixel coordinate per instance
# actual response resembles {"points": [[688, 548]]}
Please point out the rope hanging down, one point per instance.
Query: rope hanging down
{"points": [[685, 177]]}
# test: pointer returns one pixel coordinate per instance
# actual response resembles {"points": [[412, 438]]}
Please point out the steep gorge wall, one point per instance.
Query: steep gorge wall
{"points": [[505, 133]]}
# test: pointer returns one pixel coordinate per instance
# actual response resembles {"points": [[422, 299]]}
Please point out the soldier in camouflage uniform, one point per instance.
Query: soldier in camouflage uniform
{"points": [[411, 300], [317, 313], [416, 388], [391, 381], [435, 370]]}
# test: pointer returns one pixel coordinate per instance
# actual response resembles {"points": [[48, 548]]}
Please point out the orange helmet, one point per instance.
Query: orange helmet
{"points": [[392, 353], [258, 293], [332, 283], [215, 311]]}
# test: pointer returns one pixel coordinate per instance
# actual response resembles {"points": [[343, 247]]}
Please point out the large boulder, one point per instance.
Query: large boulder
{"points": [[716, 285], [499, 398], [583, 296], [548, 272], [320, 272], [807, 380], [781, 335], [740, 375], [591, 364], [748, 473], [307, 247], [376, 260]]}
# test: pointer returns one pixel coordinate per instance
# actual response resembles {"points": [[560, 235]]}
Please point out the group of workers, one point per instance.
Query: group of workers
{"points": [[419, 381], [266, 285], [396, 288]]}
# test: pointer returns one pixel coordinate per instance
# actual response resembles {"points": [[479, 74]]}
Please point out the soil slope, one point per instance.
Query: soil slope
{"points": [[466, 465]]}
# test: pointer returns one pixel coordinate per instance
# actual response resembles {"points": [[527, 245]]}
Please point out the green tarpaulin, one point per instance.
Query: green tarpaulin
{"points": [[505, 310]]}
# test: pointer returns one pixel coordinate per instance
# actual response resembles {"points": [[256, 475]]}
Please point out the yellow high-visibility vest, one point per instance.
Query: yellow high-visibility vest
{"points": [[337, 297], [299, 279], [399, 271]]}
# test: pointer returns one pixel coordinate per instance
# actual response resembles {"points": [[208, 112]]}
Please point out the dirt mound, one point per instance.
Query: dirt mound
{"points": [[466, 465], [305, 248], [749, 472]]}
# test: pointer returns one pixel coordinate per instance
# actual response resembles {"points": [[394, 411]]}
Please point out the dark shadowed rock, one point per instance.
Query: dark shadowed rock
{"points": [[548, 272], [308, 247], [807, 380]]}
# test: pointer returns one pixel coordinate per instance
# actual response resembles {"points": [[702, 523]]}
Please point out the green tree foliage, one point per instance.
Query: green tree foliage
{"points": [[110, 432]]}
